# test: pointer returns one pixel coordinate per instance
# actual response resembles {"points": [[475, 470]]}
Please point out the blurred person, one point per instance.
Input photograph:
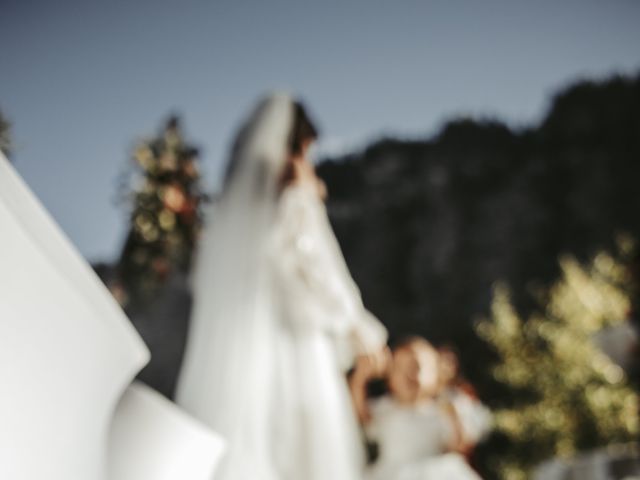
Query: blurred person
{"points": [[417, 432], [475, 418], [273, 299]]}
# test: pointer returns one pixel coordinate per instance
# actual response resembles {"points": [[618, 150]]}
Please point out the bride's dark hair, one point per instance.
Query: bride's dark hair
{"points": [[302, 129]]}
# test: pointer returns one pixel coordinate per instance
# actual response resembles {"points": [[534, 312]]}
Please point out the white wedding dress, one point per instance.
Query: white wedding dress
{"points": [[318, 305], [273, 300]]}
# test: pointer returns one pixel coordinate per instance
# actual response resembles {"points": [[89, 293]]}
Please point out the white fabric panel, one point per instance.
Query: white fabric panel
{"points": [[67, 350], [152, 439]]}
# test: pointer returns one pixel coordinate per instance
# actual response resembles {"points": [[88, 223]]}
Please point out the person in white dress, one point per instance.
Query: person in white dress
{"points": [[273, 304], [418, 435]]}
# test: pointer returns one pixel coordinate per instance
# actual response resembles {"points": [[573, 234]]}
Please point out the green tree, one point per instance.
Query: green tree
{"points": [[165, 202], [567, 395]]}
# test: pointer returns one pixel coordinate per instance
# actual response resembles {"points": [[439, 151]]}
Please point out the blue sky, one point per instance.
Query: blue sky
{"points": [[81, 80]]}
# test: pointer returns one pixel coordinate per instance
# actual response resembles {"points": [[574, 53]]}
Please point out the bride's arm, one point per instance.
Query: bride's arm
{"points": [[312, 296], [368, 335], [312, 269]]}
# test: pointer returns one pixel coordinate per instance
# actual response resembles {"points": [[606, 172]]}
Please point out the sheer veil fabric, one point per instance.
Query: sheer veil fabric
{"points": [[225, 377], [272, 298]]}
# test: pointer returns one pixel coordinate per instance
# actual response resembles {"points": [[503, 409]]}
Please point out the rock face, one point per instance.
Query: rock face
{"points": [[428, 226]]}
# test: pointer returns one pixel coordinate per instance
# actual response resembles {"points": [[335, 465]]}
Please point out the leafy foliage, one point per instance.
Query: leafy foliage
{"points": [[165, 218], [567, 395]]}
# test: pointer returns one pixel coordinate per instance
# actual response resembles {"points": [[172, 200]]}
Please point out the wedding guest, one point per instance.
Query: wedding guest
{"points": [[475, 418], [417, 431]]}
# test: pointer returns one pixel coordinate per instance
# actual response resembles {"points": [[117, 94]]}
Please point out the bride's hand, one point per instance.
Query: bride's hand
{"points": [[373, 365], [368, 335]]}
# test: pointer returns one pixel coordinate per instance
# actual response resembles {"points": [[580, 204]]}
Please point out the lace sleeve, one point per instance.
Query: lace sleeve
{"points": [[316, 287], [310, 291]]}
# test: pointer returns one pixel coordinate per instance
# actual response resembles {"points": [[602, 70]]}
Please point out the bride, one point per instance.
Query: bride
{"points": [[274, 305]]}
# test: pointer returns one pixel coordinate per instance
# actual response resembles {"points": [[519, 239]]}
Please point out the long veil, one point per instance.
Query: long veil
{"points": [[225, 377]]}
